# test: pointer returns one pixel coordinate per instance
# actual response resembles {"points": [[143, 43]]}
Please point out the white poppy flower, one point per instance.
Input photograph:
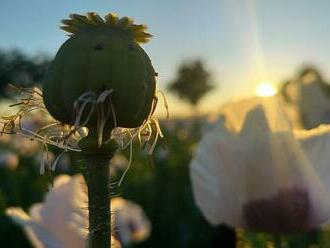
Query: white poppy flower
{"points": [[61, 221], [252, 170]]}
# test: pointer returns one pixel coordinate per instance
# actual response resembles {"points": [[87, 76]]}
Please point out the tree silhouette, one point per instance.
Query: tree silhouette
{"points": [[192, 82], [18, 69]]}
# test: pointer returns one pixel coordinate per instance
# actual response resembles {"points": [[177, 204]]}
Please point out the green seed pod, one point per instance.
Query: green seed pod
{"points": [[100, 56]]}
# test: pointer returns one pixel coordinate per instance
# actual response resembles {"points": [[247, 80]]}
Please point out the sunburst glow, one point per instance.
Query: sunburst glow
{"points": [[265, 89]]}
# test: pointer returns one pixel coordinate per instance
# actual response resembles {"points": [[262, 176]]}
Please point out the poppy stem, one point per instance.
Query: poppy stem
{"points": [[96, 171]]}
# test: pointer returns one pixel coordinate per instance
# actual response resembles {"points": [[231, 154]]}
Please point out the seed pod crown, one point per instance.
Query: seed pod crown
{"points": [[91, 21]]}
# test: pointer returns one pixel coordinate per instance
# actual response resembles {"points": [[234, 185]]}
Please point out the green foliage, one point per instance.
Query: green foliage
{"points": [[192, 82], [301, 240]]}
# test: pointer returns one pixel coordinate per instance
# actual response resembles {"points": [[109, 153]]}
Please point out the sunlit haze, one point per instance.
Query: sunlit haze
{"points": [[265, 89]]}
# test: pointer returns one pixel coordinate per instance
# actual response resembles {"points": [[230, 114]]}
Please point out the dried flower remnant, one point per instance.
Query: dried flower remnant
{"points": [[32, 121], [47, 131], [50, 131]]}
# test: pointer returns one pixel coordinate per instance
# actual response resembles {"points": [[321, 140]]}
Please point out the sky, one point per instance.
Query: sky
{"points": [[242, 42]]}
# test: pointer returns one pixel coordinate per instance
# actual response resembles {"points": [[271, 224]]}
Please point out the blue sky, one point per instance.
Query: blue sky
{"points": [[242, 42]]}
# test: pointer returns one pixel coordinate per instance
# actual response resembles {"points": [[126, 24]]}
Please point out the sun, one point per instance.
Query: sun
{"points": [[265, 89]]}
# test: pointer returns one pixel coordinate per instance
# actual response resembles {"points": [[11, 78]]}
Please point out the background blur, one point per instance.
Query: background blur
{"points": [[206, 53]]}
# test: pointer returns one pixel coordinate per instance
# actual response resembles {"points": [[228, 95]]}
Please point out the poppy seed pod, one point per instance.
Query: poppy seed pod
{"points": [[101, 74]]}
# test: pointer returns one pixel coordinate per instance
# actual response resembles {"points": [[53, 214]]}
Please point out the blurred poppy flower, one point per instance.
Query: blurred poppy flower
{"points": [[253, 171], [61, 221]]}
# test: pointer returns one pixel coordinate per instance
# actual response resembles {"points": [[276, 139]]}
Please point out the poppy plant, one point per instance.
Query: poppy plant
{"points": [[98, 95]]}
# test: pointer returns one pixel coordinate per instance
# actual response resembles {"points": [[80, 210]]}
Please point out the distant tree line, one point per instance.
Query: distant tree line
{"points": [[20, 69]]}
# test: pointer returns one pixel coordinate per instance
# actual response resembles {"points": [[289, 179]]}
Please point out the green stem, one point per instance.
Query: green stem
{"points": [[98, 180], [96, 170]]}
